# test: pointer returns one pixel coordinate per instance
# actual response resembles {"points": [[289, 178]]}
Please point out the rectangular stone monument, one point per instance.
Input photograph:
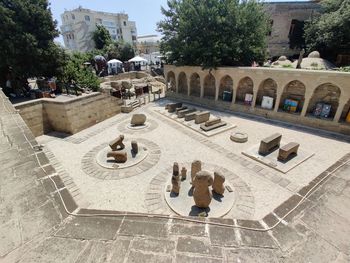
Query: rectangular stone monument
{"points": [[180, 109], [202, 117], [191, 116], [172, 106], [270, 143], [213, 127], [287, 150], [183, 113], [212, 122]]}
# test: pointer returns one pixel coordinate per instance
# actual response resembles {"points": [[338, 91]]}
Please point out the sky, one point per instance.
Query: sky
{"points": [[146, 13]]}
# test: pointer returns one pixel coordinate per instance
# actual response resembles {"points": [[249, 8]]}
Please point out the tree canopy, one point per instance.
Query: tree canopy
{"points": [[212, 33], [329, 33], [101, 37], [27, 39], [120, 50]]}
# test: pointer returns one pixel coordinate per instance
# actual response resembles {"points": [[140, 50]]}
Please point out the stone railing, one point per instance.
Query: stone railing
{"points": [[227, 88]]}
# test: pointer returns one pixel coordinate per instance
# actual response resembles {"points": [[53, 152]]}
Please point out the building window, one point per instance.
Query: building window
{"points": [[124, 23], [296, 34], [73, 16], [270, 29], [87, 18]]}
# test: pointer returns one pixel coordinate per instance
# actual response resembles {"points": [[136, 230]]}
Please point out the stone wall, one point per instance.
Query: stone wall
{"points": [[309, 87], [45, 115]]}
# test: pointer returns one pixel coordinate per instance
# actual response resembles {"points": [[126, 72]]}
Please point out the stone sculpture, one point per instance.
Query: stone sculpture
{"points": [[183, 173], [196, 166], [201, 194], [138, 119], [117, 144], [270, 143], [176, 184], [218, 184], [287, 151], [176, 169], [119, 156], [134, 147]]}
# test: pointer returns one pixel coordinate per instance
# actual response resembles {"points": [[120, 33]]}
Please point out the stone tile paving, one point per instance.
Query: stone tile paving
{"points": [[34, 228]]}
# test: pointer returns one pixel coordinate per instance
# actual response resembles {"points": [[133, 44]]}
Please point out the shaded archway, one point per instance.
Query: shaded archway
{"points": [[195, 85], [226, 87], [268, 88], [345, 115], [171, 80], [293, 97], [209, 87], [182, 82], [245, 90], [324, 96]]}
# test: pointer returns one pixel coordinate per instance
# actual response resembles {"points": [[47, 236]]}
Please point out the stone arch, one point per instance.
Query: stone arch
{"points": [[209, 87], [267, 88], [294, 91], [171, 80], [326, 93], [226, 85], [182, 82], [245, 86], [345, 112], [195, 85]]}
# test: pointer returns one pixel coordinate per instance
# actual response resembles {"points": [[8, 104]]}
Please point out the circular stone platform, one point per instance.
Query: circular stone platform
{"points": [[110, 163], [184, 205], [240, 137], [138, 127], [92, 168]]}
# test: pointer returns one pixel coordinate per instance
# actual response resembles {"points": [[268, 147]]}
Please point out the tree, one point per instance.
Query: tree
{"points": [[329, 32], [27, 40], [120, 50], [101, 37], [212, 33], [82, 75]]}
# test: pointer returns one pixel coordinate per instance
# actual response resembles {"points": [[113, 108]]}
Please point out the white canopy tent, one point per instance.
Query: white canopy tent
{"points": [[113, 64], [114, 61], [138, 59]]}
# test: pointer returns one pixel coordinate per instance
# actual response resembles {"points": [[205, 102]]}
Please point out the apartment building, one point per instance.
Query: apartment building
{"points": [[79, 24]]}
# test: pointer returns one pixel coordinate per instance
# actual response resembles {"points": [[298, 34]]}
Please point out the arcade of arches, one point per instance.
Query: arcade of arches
{"points": [[317, 96]]}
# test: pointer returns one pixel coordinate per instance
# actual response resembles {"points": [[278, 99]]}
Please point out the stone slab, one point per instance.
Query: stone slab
{"points": [[213, 127], [271, 161]]}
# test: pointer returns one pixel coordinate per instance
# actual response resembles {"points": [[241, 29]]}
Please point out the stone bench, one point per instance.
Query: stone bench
{"points": [[191, 116], [287, 150], [172, 106], [270, 143], [202, 117], [183, 113], [180, 109]]}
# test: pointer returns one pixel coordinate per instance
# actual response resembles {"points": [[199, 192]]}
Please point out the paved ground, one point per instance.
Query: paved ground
{"points": [[34, 227], [259, 189]]}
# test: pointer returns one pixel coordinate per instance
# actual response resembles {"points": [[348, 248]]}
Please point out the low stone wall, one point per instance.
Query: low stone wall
{"points": [[72, 116]]}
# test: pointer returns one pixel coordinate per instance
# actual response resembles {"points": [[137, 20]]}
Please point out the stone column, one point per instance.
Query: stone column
{"points": [[340, 109], [278, 99], [234, 92], [189, 86], [306, 104], [217, 86], [201, 78], [177, 84]]}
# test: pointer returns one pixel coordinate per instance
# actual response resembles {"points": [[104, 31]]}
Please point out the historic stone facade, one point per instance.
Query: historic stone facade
{"points": [[308, 87]]}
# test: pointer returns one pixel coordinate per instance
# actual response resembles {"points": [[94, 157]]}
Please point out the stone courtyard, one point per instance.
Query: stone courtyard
{"points": [[121, 216]]}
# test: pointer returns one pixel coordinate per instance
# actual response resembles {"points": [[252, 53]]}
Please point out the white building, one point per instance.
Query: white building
{"points": [[79, 24]]}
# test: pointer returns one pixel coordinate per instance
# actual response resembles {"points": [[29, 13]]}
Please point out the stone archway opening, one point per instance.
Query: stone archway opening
{"points": [[195, 85], [293, 97], [171, 81], [245, 91], [209, 87], [182, 82], [345, 115], [226, 89], [324, 101], [267, 94]]}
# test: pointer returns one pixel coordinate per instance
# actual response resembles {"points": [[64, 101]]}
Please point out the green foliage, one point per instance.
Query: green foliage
{"points": [[27, 32], [101, 37], [345, 69], [212, 33], [82, 75], [119, 50], [329, 32], [287, 66]]}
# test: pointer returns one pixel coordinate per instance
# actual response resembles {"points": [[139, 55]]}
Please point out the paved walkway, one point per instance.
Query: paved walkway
{"points": [[34, 226]]}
